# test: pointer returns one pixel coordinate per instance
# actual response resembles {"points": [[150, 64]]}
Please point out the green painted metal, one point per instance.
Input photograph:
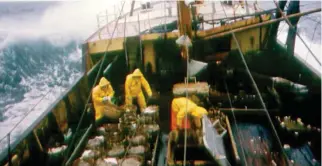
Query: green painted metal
{"points": [[80, 145]]}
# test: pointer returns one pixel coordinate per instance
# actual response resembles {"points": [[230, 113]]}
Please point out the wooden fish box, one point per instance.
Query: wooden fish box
{"points": [[195, 88], [252, 138]]}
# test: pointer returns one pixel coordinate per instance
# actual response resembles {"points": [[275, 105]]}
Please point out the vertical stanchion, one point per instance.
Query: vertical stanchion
{"points": [[106, 21], [141, 56], [98, 21], [295, 31], [247, 8], [125, 45], [186, 113], [213, 12], [165, 16], [9, 150]]}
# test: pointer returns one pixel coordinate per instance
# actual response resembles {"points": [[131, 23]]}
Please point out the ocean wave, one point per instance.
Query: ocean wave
{"points": [[40, 56], [32, 69]]}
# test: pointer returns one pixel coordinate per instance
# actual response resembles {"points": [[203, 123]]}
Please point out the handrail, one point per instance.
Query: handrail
{"points": [[294, 30], [231, 31], [8, 135], [35, 123], [70, 145], [129, 21], [120, 17], [26, 114], [242, 16]]}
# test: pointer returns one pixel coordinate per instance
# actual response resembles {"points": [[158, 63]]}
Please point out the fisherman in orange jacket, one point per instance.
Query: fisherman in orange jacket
{"points": [[133, 88], [179, 107], [102, 95]]}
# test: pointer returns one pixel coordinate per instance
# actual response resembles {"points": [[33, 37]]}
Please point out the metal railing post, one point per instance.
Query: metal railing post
{"points": [[141, 56], [9, 150], [125, 45], [106, 21], [98, 21]]}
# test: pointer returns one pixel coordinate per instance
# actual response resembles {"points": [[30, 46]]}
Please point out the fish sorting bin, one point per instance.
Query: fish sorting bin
{"points": [[252, 139]]}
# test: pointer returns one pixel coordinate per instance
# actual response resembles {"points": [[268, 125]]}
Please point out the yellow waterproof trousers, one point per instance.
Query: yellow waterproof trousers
{"points": [[140, 99]]}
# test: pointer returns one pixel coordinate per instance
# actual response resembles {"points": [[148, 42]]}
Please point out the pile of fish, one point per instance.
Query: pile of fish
{"points": [[218, 119], [296, 125], [130, 142]]}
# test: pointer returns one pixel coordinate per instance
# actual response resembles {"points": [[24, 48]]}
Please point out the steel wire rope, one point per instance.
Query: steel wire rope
{"points": [[8, 135], [282, 28], [312, 42], [186, 84], [28, 112], [96, 78], [293, 29], [307, 17], [186, 112], [257, 91], [240, 136]]}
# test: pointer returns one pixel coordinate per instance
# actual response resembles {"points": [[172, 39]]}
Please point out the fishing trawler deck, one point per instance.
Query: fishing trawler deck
{"points": [[247, 103]]}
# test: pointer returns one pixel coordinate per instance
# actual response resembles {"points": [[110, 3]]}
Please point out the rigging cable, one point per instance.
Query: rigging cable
{"points": [[235, 121], [282, 28], [256, 88], [292, 27], [27, 113], [312, 42], [89, 96], [186, 112], [186, 84]]}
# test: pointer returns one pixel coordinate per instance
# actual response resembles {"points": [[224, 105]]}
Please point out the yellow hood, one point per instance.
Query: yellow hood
{"points": [[137, 73], [104, 82]]}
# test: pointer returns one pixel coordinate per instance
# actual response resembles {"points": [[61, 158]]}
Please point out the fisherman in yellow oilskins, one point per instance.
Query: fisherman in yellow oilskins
{"points": [[133, 89], [102, 96], [179, 107]]}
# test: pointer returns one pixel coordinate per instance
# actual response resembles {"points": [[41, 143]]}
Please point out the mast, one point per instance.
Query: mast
{"points": [[184, 23], [184, 19]]}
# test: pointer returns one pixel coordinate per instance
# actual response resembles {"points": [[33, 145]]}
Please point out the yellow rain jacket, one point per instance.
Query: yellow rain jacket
{"points": [[98, 94], [179, 107], [133, 88]]}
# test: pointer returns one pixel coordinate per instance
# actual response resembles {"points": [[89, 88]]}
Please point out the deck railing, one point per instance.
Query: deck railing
{"points": [[163, 12]]}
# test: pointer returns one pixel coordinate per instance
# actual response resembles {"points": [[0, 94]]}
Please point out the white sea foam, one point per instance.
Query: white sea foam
{"points": [[59, 24]]}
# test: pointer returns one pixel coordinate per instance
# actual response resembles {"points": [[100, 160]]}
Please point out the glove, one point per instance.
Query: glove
{"points": [[150, 95], [105, 99]]}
